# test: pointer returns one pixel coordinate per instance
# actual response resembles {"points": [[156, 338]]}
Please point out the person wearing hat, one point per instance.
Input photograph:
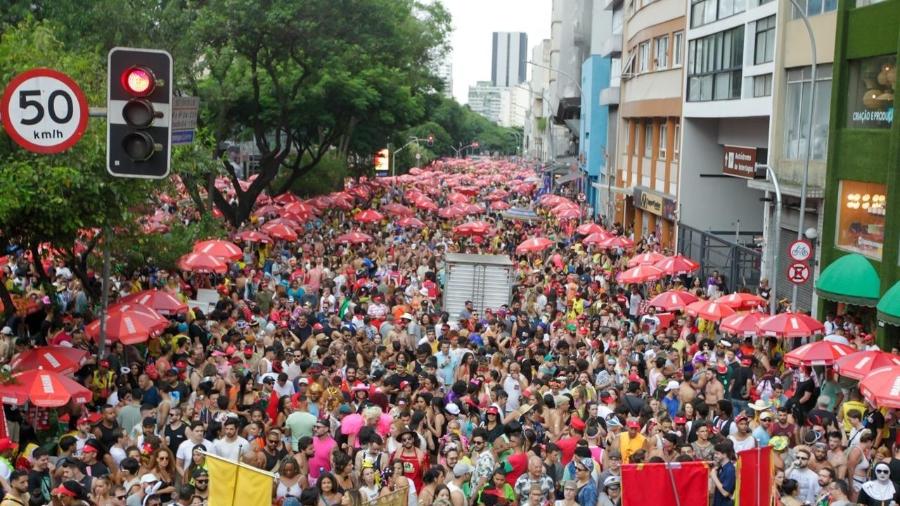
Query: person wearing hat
{"points": [[741, 438], [631, 440], [415, 461], [587, 488], [612, 492], [68, 492]]}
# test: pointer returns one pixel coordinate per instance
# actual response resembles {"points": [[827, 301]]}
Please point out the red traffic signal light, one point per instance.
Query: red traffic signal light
{"points": [[138, 81]]}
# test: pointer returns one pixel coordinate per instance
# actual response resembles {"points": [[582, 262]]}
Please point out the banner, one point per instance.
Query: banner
{"points": [[396, 498], [671, 484], [231, 483], [755, 472]]}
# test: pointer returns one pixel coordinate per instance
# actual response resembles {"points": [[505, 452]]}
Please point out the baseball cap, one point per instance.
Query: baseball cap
{"points": [[7, 444], [673, 385], [461, 469], [633, 424]]}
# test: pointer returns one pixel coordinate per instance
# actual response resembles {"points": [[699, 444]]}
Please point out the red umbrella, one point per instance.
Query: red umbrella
{"points": [[425, 204], [568, 214], [597, 237], [291, 221], [472, 228], [533, 245], [410, 222], [161, 301], [709, 310], [673, 300], [589, 228], [639, 274], [395, 209], [60, 359], [649, 258], [499, 205], [286, 198], [882, 387], [279, 231], [677, 264], [220, 249], [789, 325], [817, 353], [201, 262], [471, 208], [740, 300], [369, 216], [858, 365], [615, 242], [457, 198], [253, 236], [353, 238], [46, 389], [301, 208], [451, 212], [267, 210], [742, 324], [129, 323]]}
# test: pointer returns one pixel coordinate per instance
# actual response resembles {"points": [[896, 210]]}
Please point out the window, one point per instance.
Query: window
{"points": [[635, 139], [663, 140], [707, 11], [676, 142], [643, 57], [714, 66], [678, 49], [796, 115], [860, 219], [661, 50], [762, 85], [648, 139], [815, 7], [765, 41], [871, 89]]}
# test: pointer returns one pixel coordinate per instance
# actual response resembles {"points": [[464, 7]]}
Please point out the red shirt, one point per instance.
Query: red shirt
{"points": [[518, 462]]}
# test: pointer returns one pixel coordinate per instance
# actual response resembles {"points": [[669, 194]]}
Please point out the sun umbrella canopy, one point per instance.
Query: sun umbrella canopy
{"points": [[353, 238], [673, 300], [62, 359], [253, 236], [472, 228], [588, 229], [161, 301], [395, 209], [499, 205], [46, 389], [534, 245], [410, 222], [615, 242], [568, 214], [677, 264], [882, 387], [640, 274], [128, 323], [201, 262], [741, 324], [709, 310], [300, 208], [817, 353], [596, 237], [858, 365], [369, 216], [649, 258], [220, 249], [279, 231], [789, 325], [740, 300]]}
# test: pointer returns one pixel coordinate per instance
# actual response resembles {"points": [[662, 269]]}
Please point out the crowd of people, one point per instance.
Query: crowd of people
{"points": [[336, 367]]}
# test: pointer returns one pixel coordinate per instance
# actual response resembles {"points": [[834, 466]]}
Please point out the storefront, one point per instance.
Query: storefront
{"points": [[861, 226], [655, 214]]}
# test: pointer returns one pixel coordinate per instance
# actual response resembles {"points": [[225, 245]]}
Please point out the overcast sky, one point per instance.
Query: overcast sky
{"points": [[473, 23]]}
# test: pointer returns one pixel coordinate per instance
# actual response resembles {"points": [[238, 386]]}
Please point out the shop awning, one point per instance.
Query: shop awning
{"points": [[851, 279], [889, 306]]}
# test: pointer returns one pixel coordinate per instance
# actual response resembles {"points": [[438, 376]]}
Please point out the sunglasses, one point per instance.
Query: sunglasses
{"points": [[201, 481], [478, 442], [121, 497], [406, 440], [882, 471]]}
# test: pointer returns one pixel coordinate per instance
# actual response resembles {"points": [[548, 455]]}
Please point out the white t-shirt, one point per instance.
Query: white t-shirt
{"points": [[287, 389], [117, 454], [514, 390], [186, 450], [230, 450]]}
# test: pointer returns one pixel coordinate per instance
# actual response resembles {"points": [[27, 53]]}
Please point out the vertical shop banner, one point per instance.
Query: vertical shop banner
{"points": [[755, 472], [234, 484], [671, 484]]}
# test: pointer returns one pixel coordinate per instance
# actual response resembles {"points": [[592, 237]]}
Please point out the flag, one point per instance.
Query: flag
{"points": [[231, 483], [755, 472], [673, 484]]}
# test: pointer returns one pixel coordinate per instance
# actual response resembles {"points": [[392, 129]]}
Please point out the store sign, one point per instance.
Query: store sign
{"points": [[740, 161], [654, 203]]}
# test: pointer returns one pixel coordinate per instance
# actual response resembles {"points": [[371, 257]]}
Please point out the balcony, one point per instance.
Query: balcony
{"points": [[612, 46], [609, 96]]}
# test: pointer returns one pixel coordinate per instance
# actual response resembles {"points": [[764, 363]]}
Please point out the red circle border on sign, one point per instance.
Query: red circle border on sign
{"points": [[79, 97], [789, 269]]}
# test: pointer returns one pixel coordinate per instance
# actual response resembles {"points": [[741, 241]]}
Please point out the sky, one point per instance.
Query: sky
{"points": [[473, 23]]}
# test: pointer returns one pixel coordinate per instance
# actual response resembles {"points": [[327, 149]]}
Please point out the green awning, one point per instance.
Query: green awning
{"points": [[851, 279], [889, 306]]}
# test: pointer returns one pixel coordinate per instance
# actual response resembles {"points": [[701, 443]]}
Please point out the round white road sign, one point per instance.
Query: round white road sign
{"points": [[44, 111], [800, 250]]}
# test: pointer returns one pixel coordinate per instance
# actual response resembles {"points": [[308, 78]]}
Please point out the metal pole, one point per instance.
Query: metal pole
{"points": [[571, 78], [104, 297], [776, 246], [809, 132]]}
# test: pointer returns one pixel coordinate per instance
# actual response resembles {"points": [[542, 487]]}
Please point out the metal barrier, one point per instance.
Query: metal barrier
{"points": [[739, 264]]}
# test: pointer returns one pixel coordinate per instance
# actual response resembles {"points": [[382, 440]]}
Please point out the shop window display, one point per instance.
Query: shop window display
{"points": [[872, 86], [860, 224]]}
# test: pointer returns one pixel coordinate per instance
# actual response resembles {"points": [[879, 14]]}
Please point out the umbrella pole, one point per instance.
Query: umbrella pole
{"points": [[104, 298]]}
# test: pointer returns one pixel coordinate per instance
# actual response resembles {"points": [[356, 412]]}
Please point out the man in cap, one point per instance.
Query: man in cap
{"points": [[462, 473], [631, 440], [612, 492], [69, 492], [201, 483], [742, 439]]}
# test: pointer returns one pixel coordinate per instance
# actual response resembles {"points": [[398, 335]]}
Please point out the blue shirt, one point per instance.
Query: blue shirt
{"points": [[672, 405], [727, 477], [587, 495], [761, 435]]}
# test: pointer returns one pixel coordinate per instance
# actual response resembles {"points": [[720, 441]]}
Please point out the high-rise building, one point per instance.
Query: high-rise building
{"points": [[444, 72], [508, 58], [485, 99]]}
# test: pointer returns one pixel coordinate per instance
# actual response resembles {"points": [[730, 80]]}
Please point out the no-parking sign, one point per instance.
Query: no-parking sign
{"points": [[44, 111]]}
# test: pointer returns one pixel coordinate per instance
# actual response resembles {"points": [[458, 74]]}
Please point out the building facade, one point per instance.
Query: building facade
{"points": [[594, 130], [485, 99], [649, 116], [537, 145], [862, 183], [509, 55]]}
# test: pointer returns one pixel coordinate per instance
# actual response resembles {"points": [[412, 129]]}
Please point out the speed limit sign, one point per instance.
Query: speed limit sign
{"points": [[44, 111]]}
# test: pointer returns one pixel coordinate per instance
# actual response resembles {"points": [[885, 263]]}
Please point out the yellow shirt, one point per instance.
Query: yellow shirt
{"points": [[848, 406], [628, 446]]}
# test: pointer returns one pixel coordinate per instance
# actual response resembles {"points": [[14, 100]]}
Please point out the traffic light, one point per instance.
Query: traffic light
{"points": [[139, 113], [382, 161], [430, 140]]}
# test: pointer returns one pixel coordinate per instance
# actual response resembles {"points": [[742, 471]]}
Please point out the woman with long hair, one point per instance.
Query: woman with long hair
{"points": [[343, 471], [198, 461], [351, 498], [162, 465], [288, 484], [329, 491]]}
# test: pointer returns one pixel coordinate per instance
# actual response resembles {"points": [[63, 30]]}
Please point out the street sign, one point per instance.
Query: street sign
{"points": [[184, 119], [798, 273], [582, 197], [418, 156], [800, 250], [44, 111]]}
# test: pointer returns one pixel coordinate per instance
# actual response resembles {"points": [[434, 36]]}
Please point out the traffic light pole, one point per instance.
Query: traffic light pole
{"points": [[415, 140], [104, 298]]}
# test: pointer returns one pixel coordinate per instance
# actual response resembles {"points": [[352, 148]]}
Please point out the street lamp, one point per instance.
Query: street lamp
{"points": [[551, 69], [457, 150], [413, 140]]}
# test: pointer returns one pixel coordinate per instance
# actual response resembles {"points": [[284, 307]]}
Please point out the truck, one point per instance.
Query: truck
{"points": [[486, 280]]}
